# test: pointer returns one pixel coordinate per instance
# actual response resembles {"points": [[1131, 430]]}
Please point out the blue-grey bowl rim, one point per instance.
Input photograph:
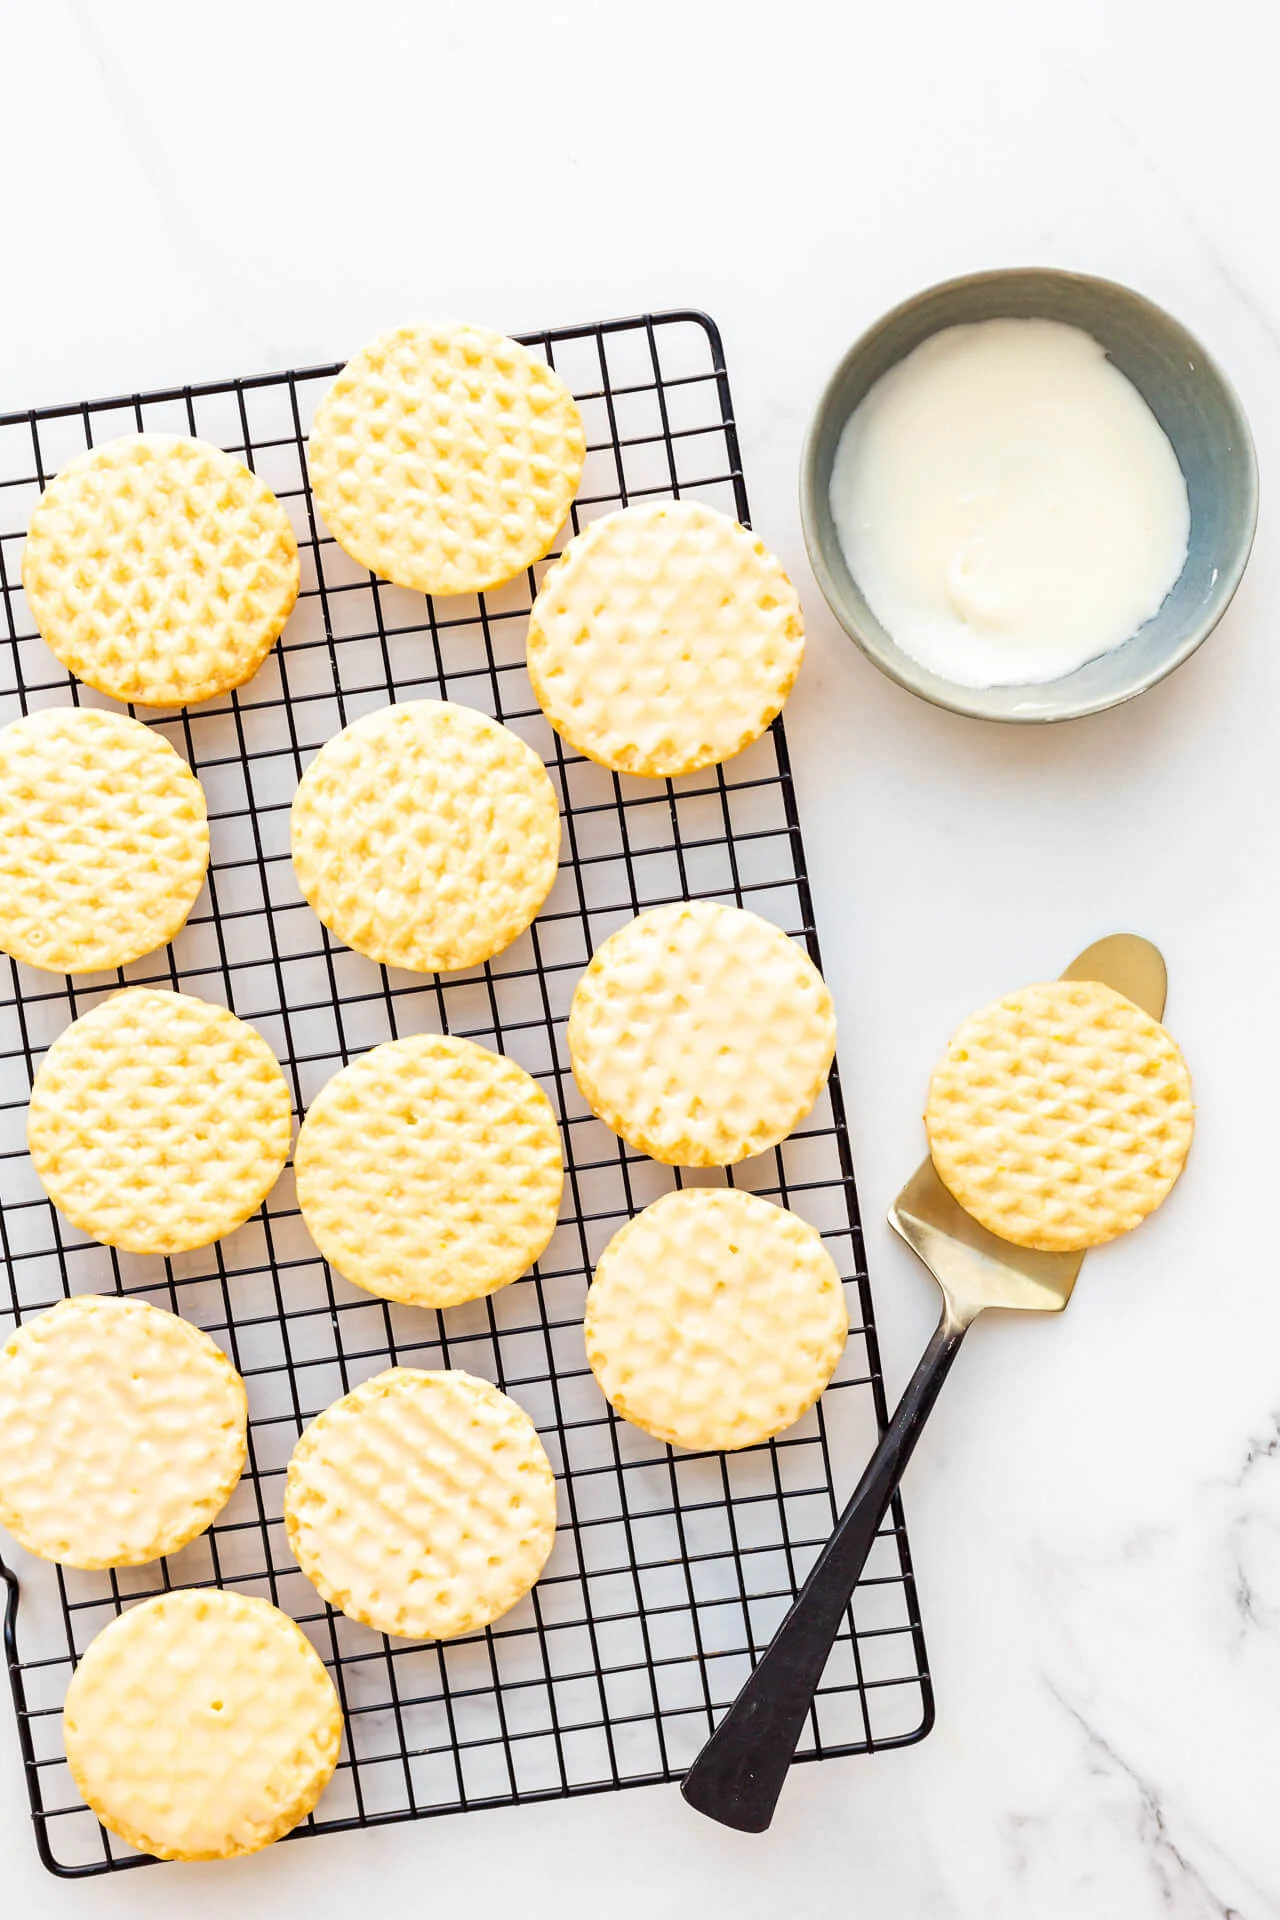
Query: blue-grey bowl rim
{"points": [[879, 646]]}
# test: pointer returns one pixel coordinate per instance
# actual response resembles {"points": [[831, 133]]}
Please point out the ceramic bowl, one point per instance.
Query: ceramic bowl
{"points": [[1190, 397]]}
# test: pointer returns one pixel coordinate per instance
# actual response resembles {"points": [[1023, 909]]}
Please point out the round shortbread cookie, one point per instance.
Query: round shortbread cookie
{"points": [[426, 836], [104, 840], [446, 457], [715, 1319], [422, 1504], [200, 1725], [1060, 1116], [701, 1034], [429, 1171], [664, 639], [158, 1122], [122, 1432], [160, 569]]}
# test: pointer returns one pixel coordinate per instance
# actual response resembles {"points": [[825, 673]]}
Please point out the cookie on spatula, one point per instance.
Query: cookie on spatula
{"points": [[1060, 1116]]}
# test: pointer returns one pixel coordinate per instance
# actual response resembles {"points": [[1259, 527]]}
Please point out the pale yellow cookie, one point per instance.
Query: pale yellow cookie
{"points": [[122, 1432], [1060, 1116], [422, 1504], [200, 1725], [104, 840], [715, 1319], [429, 1171], [665, 638], [446, 457], [158, 1122], [426, 836], [701, 1034], [160, 569]]}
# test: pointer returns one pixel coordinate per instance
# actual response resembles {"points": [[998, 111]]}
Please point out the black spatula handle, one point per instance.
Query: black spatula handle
{"points": [[738, 1776]]}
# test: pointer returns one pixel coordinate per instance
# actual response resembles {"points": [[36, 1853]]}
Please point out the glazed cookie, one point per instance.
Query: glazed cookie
{"points": [[200, 1725], [122, 1432], [1060, 1116], [665, 638], [158, 1122], [715, 1319], [446, 457], [701, 1034], [104, 840], [422, 1504], [426, 836], [160, 569]]}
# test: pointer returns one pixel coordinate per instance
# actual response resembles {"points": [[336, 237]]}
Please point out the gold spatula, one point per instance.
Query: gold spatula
{"points": [[738, 1775]]}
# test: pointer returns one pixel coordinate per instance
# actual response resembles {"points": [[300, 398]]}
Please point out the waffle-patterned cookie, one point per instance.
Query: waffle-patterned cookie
{"points": [[701, 1034], [104, 840], [122, 1432], [429, 1171], [158, 1122], [426, 836], [422, 1504], [160, 569], [665, 638], [715, 1319], [1060, 1116], [446, 457], [200, 1725]]}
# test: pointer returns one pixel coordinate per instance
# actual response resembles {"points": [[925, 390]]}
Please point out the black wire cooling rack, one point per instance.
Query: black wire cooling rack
{"points": [[670, 1570]]}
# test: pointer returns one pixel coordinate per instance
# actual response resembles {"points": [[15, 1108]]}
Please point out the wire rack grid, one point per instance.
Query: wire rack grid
{"points": [[670, 1570]]}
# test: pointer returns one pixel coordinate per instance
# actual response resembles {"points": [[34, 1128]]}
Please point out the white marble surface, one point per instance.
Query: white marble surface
{"points": [[1095, 1511]]}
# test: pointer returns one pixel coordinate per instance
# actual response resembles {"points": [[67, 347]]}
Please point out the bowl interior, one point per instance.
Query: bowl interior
{"points": [[1190, 398]]}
